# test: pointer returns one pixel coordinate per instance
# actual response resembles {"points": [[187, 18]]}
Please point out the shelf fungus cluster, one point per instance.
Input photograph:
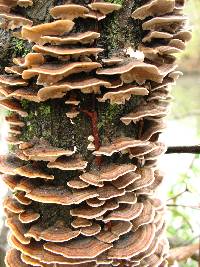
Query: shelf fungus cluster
{"points": [[90, 202]]}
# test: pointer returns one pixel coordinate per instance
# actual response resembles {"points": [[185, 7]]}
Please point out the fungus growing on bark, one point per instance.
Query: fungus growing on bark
{"points": [[65, 53], [13, 106], [68, 165], [33, 172], [168, 23], [104, 7], [30, 60], [86, 85], [79, 248], [80, 223], [41, 150], [107, 174], [28, 216], [33, 34], [154, 8], [13, 205], [125, 212], [149, 110], [134, 243], [74, 38], [122, 94], [118, 145], [13, 258], [125, 180], [13, 3], [13, 21], [69, 11], [50, 74], [77, 184], [20, 196], [137, 71], [88, 199], [59, 232]]}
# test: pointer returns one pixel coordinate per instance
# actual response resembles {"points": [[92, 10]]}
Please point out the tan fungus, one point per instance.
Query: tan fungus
{"points": [[14, 21], [125, 212], [33, 172], [56, 28], [59, 232], [28, 216], [75, 38], [154, 8], [18, 229], [13, 259], [86, 85], [109, 173], [104, 7], [65, 52], [122, 94], [119, 145], [81, 222], [13, 205], [68, 11], [30, 60], [134, 243], [51, 73], [83, 248]]}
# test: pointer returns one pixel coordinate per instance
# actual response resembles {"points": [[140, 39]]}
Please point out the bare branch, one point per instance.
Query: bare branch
{"points": [[184, 206], [182, 253], [183, 149]]}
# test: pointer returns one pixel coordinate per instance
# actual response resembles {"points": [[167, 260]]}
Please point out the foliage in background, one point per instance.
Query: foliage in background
{"points": [[190, 59], [183, 222]]}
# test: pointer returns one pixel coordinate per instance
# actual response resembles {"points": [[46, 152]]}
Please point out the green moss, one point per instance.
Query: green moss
{"points": [[25, 103], [38, 114], [45, 109], [119, 2], [113, 33], [20, 47], [109, 116], [11, 147]]}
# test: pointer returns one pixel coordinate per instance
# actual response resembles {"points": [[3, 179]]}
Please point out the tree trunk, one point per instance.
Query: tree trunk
{"points": [[89, 201]]}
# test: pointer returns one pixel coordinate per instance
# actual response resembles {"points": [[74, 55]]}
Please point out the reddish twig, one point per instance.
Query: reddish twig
{"points": [[94, 120]]}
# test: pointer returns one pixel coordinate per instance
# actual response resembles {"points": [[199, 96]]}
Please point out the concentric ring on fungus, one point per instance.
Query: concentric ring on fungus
{"points": [[88, 200]]}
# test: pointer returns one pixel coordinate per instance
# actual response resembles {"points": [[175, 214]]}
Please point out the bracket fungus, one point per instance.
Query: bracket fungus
{"points": [[83, 190]]}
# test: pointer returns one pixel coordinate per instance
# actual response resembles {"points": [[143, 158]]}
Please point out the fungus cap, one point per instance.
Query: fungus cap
{"points": [[80, 248], [104, 7], [68, 11], [154, 8], [56, 28]]}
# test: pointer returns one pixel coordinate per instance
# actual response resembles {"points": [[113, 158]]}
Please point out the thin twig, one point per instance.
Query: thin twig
{"points": [[183, 149], [185, 219], [183, 206], [199, 253], [179, 194]]}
